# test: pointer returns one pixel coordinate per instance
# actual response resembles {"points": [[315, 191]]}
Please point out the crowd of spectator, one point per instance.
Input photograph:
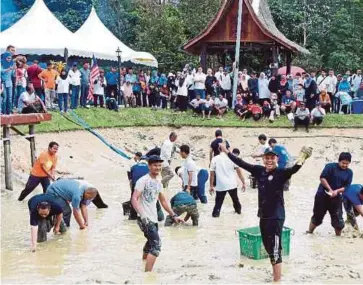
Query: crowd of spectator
{"points": [[304, 97]]}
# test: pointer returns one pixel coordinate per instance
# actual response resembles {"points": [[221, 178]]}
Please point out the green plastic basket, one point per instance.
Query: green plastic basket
{"points": [[251, 245]]}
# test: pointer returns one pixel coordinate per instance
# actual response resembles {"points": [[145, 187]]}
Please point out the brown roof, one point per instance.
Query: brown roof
{"points": [[261, 14]]}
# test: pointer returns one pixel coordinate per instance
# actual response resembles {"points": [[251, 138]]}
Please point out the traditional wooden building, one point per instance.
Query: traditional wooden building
{"points": [[259, 34]]}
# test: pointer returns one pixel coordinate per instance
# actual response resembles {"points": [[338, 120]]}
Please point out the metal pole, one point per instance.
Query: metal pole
{"points": [[7, 158], [119, 79], [238, 45]]}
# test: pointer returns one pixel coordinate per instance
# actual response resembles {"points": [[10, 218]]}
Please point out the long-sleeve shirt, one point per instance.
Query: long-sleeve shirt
{"points": [[270, 187]]}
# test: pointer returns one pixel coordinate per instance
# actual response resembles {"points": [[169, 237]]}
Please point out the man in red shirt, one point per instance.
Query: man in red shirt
{"points": [[33, 71]]}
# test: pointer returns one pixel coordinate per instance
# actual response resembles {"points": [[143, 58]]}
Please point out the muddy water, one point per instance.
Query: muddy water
{"points": [[109, 251]]}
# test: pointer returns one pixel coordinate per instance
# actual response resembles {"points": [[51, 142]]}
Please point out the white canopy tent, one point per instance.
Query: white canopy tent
{"points": [[94, 34], [40, 32]]}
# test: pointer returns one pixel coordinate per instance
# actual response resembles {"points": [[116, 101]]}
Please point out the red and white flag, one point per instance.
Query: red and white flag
{"points": [[95, 73]]}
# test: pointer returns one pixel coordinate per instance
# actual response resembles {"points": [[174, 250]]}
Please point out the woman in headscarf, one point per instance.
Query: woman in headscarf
{"points": [[325, 101], [310, 92], [142, 82], [263, 91], [63, 90], [162, 84], [242, 87], [154, 90], [282, 87], [239, 107], [182, 94]]}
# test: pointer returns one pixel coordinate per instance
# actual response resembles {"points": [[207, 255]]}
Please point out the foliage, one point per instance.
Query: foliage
{"points": [[102, 118]]}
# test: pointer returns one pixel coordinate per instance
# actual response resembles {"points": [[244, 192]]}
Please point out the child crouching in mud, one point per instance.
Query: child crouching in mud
{"points": [[147, 193]]}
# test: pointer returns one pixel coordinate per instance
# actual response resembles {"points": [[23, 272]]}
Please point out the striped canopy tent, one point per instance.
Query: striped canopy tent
{"points": [[40, 32], [258, 32], [103, 43]]}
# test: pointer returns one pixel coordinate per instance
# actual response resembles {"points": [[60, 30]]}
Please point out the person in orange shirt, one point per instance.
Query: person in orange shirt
{"points": [[49, 76], [325, 101], [42, 171]]}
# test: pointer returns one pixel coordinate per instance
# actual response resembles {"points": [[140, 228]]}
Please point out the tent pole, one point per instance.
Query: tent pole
{"points": [[238, 46]]}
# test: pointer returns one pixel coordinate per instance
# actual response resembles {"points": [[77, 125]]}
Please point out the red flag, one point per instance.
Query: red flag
{"points": [[95, 73]]}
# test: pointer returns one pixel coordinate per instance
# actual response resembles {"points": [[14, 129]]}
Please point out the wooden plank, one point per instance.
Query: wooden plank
{"points": [[25, 119], [7, 158]]}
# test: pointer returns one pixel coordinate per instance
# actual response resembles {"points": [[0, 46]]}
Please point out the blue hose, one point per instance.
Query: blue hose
{"points": [[82, 123]]}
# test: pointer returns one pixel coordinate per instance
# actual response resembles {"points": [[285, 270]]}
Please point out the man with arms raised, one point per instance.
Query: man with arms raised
{"points": [[147, 193], [271, 208]]}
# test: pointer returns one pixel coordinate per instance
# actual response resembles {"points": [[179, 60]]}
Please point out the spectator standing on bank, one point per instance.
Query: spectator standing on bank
{"points": [[75, 81], [85, 83]]}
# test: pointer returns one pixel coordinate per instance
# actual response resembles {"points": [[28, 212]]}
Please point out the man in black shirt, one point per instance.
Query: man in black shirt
{"points": [[271, 209]]}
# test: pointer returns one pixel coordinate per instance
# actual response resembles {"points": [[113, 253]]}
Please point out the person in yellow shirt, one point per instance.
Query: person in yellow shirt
{"points": [[42, 171], [49, 76]]}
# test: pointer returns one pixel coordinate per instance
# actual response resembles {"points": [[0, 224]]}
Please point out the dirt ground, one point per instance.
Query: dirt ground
{"points": [[109, 251]]}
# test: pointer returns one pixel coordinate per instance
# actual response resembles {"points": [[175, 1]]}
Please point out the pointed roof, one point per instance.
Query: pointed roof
{"points": [[39, 32], [261, 15], [104, 43]]}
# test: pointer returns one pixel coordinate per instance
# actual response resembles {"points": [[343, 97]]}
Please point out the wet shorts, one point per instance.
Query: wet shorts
{"points": [[271, 231], [153, 243], [322, 204]]}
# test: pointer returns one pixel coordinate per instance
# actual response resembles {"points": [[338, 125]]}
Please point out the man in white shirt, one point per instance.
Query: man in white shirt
{"points": [[331, 84], [218, 75], [199, 83], [244, 72], [75, 81], [190, 85], [225, 172], [317, 114], [190, 172], [226, 84], [147, 193], [29, 102], [166, 153], [220, 105], [322, 81], [198, 105], [356, 80]]}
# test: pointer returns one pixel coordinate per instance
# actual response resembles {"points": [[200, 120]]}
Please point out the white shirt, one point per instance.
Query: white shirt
{"points": [[183, 90], [218, 75], [63, 85], [220, 104], [318, 113], [263, 91], [356, 80], [74, 77], [190, 166], [321, 82], [209, 103], [199, 80], [25, 97], [195, 102], [190, 81], [166, 151], [150, 189], [98, 89], [225, 172], [226, 83], [331, 83]]}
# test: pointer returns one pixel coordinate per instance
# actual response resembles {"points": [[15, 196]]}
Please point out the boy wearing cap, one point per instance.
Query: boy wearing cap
{"points": [[302, 117], [317, 115], [147, 193], [271, 209], [333, 180], [353, 203], [78, 193], [42, 208]]}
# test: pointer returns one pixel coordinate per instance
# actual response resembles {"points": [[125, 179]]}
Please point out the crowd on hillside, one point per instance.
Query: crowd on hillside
{"points": [[303, 97]]}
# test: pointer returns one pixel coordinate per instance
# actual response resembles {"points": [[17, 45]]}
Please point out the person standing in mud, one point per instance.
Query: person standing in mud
{"points": [[335, 178], [214, 144], [42, 209], [271, 208], [166, 154], [147, 193], [42, 171]]}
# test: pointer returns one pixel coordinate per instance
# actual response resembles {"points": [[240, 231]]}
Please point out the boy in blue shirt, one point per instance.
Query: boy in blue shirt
{"points": [[333, 180], [353, 203], [180, 203]]}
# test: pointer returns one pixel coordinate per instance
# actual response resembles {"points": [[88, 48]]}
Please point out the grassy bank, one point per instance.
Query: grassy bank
{"points": [[102, 118]]}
